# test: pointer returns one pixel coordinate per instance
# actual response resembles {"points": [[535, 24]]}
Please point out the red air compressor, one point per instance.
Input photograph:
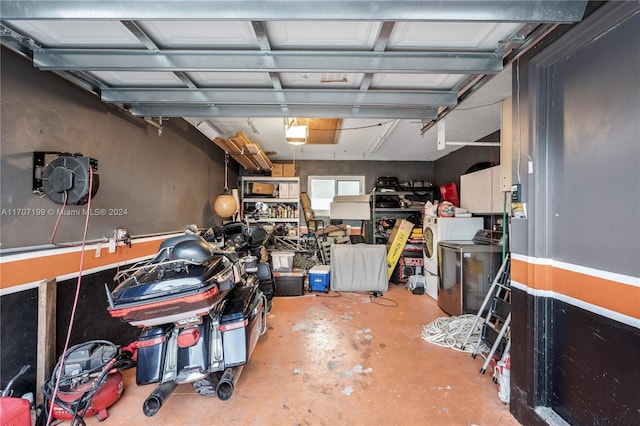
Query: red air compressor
{"points": [[90, 381]]}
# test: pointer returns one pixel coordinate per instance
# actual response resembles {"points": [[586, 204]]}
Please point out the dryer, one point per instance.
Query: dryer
{"points": [[436, 229]]}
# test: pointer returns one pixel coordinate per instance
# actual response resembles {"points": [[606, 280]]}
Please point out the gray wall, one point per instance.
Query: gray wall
{"points": [[579, 109], [371, 170], [449, 168], [164, 182]]}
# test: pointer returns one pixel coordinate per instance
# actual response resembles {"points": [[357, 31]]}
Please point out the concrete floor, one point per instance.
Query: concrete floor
{"points": [[339, 359]]}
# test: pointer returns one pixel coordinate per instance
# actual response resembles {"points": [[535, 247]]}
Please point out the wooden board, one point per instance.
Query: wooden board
{"points": [[46, 346]]}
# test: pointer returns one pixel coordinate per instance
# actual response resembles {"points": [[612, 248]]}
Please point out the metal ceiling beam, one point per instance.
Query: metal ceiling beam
{"points": [[267, 61], [425, 113], [291, 96], [150, 44], [262, 10]]}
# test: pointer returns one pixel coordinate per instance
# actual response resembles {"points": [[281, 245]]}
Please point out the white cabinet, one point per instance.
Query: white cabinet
{"points": [[480, 192], [281, 197]]}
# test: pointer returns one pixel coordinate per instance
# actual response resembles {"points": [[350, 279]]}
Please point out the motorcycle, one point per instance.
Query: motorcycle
{"points": [[201, 303]]}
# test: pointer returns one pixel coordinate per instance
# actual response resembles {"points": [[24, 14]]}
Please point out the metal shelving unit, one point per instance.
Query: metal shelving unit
{"points": [[283, 203], [380, 213]]}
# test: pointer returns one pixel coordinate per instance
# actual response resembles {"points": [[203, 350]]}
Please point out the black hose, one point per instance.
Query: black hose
{"points": [[153, 403]]}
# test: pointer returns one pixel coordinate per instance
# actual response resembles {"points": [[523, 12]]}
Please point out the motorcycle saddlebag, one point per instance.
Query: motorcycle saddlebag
{"points": [[150, 355], [241, 324]]}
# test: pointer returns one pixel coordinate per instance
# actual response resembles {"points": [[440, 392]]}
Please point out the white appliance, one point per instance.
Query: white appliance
{"points": [[436, 229]]}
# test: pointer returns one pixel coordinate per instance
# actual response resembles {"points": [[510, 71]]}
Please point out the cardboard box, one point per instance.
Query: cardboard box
{"points": [[277, 170], [396, 242], [294, 190], [304, 199], [283, 190], [288, 170], [262, 188]]}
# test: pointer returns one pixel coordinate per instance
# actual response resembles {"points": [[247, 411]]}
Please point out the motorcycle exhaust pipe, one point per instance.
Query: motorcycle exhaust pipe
{"points": [[228, 381], [153, 403]]}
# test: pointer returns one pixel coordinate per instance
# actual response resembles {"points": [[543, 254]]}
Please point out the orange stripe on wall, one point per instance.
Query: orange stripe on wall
{"points": [[37, 268], [534, 276], [608, 294], [611, 295]]}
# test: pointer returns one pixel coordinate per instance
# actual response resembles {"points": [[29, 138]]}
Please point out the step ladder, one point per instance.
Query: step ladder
{"points": [[496, 315]]}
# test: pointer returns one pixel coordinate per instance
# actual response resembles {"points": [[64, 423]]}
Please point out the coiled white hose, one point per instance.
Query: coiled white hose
{"points": [[451, 332]]}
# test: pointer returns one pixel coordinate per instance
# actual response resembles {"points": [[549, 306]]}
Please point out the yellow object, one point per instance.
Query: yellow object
{"points": [[396, 242]]}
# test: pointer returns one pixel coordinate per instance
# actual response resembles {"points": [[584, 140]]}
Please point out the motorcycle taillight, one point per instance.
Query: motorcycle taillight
{"points": [[188, 337]]}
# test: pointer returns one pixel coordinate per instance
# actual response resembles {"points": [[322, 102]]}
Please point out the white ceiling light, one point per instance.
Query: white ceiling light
{"points": [[295, 133]]}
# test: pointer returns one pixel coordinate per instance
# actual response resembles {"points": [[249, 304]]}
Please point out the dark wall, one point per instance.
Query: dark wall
{"points": [[595, 123], [572, 343], [19, 319], [594, 381], [158, 183], [18, 337], [162, 182]]}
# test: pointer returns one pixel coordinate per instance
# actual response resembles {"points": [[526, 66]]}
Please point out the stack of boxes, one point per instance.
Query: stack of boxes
{"points": [[289, 282], [283, 170]]}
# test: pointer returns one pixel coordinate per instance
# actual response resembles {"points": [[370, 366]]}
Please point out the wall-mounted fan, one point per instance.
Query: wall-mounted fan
{"points": [[69, 174]]}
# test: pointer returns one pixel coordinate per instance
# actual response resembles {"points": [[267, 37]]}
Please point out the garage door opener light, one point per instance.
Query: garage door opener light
{"points": [[294, 132]]}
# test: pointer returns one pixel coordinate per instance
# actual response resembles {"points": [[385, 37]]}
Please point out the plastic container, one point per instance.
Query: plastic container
{"points": [[319, 278], [289, 283], [282, 261], [15, 411]]}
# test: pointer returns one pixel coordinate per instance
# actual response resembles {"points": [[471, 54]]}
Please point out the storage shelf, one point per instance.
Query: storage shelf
{"points": [[270, 179], [379, 213], [250, 199], [271, 201], [398, 210], [275, 219]]}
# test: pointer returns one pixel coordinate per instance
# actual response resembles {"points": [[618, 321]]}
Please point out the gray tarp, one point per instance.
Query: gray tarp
{"points": [[358, 267]]}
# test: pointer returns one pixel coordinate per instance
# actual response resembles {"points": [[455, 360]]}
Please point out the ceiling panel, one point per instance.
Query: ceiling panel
{"points": [[482, 36], [416, 81], [50, 33], [217, 34], [224, 79], [389, 69], [322, 34], [321, 80]]}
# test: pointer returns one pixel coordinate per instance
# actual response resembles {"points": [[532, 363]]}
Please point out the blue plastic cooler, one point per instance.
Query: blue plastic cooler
{"points": [[319, 278]]}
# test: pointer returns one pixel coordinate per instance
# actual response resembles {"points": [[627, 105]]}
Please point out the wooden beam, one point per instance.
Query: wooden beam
{"points": [[46, 345]]}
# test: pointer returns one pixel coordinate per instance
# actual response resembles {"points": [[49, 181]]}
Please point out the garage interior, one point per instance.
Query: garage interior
{"points": [[522, 115]]}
